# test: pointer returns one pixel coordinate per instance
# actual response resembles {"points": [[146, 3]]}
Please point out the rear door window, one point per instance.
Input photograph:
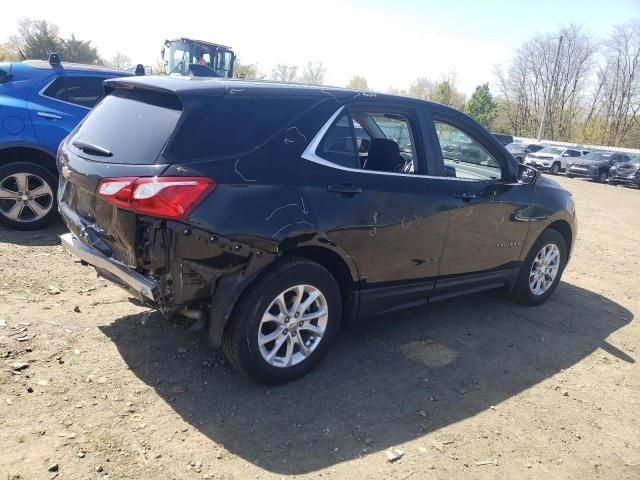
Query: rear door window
{"points": [[84, 91], [132, 126]]}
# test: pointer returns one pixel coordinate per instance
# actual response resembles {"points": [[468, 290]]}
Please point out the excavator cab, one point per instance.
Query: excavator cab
{"points": [[186, 57]]}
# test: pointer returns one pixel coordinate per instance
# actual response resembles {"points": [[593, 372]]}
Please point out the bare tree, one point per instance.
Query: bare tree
{"points": [[313, 73], [120, 60], [284, 73], [529, 78], [422, 88], [616, 98]]}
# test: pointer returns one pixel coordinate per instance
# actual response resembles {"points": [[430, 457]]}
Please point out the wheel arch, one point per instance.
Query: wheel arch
{"points": [[20, 152], [564, 229], [344, 274]]}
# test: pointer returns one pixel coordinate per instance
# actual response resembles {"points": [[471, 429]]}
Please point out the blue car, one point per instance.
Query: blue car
{"points": [[40, 103]]}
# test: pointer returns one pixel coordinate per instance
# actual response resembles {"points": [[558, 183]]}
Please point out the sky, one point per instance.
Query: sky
{"points": [[390, 43]]}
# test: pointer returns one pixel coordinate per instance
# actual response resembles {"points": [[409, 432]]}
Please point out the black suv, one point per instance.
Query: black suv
{"points": [[282, 212], [595, 165]]}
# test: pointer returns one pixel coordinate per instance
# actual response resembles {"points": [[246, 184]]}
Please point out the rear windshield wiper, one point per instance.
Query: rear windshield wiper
{"points": [[91, 149]]}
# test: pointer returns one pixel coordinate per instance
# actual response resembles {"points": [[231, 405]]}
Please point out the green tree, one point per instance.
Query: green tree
{"points": [[358, 82], [35, 39], [481, 106], [445, 92], [78, 51]]}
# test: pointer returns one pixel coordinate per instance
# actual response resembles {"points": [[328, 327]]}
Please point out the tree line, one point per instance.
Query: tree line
{"points": [[594, 94]]}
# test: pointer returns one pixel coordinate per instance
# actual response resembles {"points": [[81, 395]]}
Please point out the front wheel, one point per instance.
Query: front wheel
{"points": [[602, 178], [27, 195], [555, 168], [285, 323], [542, 269]]}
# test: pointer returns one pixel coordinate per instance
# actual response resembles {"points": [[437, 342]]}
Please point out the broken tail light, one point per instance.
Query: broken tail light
{"points": [[165, 197]]}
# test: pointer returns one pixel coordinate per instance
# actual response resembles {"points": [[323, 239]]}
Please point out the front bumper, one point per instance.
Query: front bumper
{"points": [[129, 279], [538, 165], [582, 173], [624, 181]]}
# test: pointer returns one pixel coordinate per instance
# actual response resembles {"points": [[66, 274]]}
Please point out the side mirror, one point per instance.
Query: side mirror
{"points": [[527, 175]]}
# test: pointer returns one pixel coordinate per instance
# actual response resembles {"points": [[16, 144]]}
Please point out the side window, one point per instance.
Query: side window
{"points": [[573, 153], [374, 141], [83, 91], [463, 156]]}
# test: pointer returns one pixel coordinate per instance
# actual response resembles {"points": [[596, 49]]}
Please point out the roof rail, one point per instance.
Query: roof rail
{"points": [[54, 59]]}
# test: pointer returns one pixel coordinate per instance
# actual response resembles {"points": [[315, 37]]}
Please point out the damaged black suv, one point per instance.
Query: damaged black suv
{"points": [[280, 213]]}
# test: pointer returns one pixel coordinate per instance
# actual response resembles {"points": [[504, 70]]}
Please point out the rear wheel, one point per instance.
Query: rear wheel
{"points": [[27, 195], [555, 168], [542, 269], [285, 323]]}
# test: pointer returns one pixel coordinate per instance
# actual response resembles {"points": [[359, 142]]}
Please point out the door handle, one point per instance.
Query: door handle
{"points": [[345, 189], [465, 196], [49, 116]]}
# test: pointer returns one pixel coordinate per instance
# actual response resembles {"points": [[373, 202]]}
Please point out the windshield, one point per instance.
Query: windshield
{"points": [[552, 150], [598, 156]]}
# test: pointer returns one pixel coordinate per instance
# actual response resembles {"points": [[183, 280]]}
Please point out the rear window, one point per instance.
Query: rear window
{"points": [[236, 125], [132, 125]]}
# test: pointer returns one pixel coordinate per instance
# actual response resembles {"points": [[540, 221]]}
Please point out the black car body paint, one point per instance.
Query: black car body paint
{"points": [[390, 239]]}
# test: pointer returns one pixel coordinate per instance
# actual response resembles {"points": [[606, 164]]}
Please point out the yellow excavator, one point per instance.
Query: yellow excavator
{"points": [[188, 57]]}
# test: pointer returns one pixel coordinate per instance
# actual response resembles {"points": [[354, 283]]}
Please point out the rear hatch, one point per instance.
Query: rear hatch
{"points": [[122, 137]]}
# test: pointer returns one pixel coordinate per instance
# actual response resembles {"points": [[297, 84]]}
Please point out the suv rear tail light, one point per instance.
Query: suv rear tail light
{"points": [[166, 197]]}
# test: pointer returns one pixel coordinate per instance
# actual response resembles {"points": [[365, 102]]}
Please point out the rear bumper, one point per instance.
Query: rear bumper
{"points": [[122, 275]]}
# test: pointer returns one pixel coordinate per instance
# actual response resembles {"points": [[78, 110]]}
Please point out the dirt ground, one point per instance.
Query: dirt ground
{"points": [[474, 386]]}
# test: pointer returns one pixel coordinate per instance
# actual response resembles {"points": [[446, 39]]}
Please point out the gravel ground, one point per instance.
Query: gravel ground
{"points": [[94, 386]]}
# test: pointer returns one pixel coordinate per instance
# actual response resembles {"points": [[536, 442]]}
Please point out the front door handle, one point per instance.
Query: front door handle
{"points": [[49, 115], [465, 196], [345, 189]]}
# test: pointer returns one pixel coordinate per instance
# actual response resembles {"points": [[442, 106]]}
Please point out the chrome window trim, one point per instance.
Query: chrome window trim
{"points": [[41, 92], [311, 155]]}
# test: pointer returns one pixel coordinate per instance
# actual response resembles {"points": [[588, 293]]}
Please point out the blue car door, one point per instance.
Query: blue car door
{"points": [[58, 104]]}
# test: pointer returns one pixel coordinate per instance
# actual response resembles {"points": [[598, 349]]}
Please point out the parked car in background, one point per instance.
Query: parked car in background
{"points": [[552, 159], [595, 165], [521, 150], [626, 173], [503, 138], [244, 203], [40, 103]]}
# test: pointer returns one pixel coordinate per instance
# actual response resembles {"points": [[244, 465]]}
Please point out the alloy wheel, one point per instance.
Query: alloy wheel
{"points": [[293, 325], [544, 269], [25, 197]]}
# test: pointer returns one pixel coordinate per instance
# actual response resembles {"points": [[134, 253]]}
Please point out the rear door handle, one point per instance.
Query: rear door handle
{"points": [[49, 116], [345, 189], [465, 196]]}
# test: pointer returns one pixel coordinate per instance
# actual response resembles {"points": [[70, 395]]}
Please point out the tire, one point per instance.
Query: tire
{"points": [[602, 178], [570, 176], [34, 212], [555, 168], [240, 343], [523, 292]]}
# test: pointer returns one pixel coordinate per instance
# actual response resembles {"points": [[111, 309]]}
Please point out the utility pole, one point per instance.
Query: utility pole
{"points": [[549, 91]]}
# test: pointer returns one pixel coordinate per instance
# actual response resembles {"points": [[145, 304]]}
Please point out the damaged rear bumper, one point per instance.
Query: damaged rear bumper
{"points": [[146, 288]]}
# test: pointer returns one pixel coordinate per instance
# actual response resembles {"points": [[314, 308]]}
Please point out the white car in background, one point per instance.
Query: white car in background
{"points": [[552, 159]]}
